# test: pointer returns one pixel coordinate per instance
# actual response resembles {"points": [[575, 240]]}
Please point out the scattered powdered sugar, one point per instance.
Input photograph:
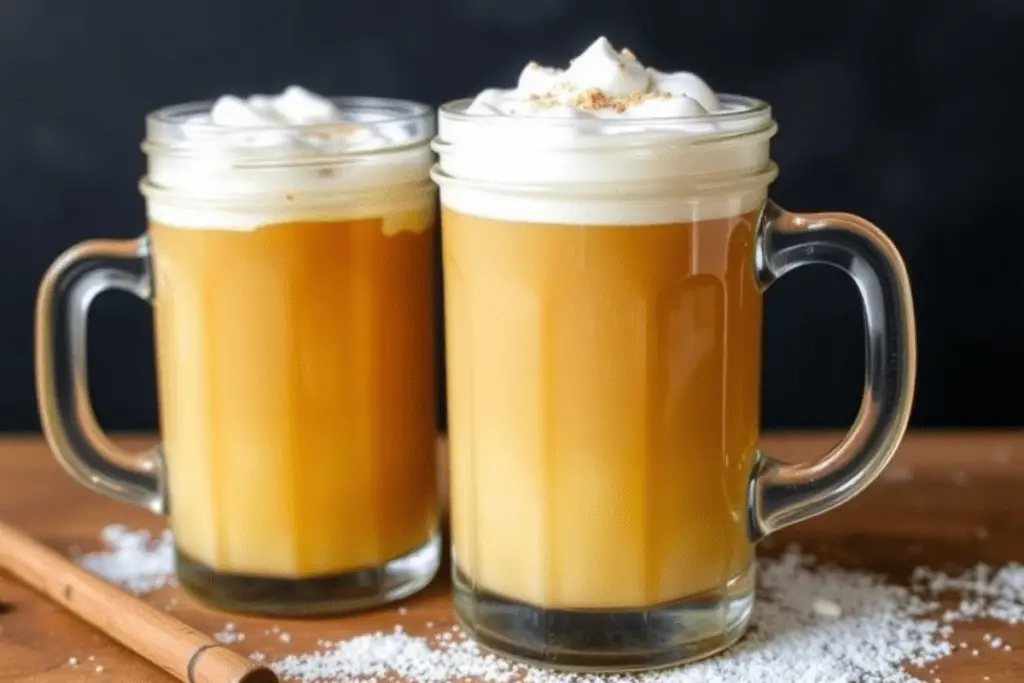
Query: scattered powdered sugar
{"points": [[410, 657], [827, 608], [868, 629], [812, 624], [229, 634], [831, 625], [135, 560], [985, 592]]}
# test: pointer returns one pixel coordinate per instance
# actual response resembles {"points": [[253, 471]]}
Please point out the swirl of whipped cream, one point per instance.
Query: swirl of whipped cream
{"points": [[242, 163], [606, 141], [604, 83], [296, 106], [284, 121]]}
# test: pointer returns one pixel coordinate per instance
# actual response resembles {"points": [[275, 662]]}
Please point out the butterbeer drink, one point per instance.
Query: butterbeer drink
{"points": [[289, 264], [605, 248]]}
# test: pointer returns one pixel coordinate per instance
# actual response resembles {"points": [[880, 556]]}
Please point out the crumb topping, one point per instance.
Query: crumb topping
{"points": [[593, 99]]}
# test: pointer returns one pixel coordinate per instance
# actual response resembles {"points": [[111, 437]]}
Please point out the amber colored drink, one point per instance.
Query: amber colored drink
{"points": [[604, 388], [297, 393]]}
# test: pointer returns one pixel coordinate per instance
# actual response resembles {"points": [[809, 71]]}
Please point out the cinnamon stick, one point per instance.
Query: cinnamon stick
{"points": [[176, 648]]}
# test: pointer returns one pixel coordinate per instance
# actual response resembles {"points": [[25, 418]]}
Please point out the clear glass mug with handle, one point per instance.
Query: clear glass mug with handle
{"points": [[290, 272], [603, 301]]}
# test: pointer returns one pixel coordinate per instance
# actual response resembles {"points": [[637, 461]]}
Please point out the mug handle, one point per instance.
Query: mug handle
{"points": [[78, 276], [782, 494]]}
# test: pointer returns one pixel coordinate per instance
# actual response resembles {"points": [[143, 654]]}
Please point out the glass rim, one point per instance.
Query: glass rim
{"points": [[386, 111], [747, 179], [745, 108]]}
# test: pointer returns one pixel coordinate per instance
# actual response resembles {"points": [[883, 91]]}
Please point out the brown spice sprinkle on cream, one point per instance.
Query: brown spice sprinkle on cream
{"points": [[544, 99], [595, 98]]}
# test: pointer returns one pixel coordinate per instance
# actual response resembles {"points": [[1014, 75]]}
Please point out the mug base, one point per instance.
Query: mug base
{"points": [[593, 641], [321, 595]]}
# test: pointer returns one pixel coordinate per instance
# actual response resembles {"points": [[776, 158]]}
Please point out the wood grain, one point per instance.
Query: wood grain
{"points": [[948, 500], [178, 649]]}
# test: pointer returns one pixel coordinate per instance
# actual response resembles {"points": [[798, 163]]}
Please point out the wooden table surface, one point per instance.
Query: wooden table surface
{"points": [[928, 508]]}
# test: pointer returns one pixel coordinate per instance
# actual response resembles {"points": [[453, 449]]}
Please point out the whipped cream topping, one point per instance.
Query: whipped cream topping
{"points": [[296, 106], [602, 82], [295, 119], [606, 141], [244, 163]]}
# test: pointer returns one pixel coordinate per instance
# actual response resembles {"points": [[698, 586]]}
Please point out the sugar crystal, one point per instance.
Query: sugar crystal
{"points": [[879, 626], [229, 634], [135, 560]]}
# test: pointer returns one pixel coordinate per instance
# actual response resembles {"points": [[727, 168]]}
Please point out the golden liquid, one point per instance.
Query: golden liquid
{"points": [[296, 384], [604, 389]]}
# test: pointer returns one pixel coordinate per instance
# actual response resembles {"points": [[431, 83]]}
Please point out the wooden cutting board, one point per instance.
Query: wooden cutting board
{"points": [[948, 500]]}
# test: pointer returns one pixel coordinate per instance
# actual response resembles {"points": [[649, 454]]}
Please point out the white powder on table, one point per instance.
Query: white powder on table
{"points": [[985, 592], [229, 634], [811, 624], [134, 560]]}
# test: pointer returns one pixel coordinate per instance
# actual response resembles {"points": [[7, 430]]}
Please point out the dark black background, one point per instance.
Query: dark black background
{"points": [[908, 113]]}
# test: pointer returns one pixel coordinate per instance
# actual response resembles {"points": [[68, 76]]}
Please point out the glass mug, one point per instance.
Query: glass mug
{"points": [[603, 303], [291, 286]]}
